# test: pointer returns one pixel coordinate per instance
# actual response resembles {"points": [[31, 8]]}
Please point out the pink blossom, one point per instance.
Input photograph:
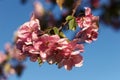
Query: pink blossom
{"points": [[63, 53], [53, 49], [89, 25], [28, 31], [26, 35], [44, 43], [88, 35], [87, 20], [73, 57], [50, 48], [3, 57], [74, 60], [87, 11], [38, 9]]}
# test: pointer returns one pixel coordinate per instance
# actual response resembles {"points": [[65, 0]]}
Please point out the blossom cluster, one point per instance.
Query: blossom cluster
{"points": [[50, 48], [88, 25], [41, 46]]}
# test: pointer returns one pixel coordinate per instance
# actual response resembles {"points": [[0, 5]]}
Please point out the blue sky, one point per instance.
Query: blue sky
{"points": [[101, 58]]}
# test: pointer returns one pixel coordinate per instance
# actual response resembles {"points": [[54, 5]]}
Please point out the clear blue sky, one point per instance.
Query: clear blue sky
{"points": [[101, 58]]}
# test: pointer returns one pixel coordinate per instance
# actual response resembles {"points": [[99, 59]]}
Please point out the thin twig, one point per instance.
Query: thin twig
{"points": [[77, 3]]}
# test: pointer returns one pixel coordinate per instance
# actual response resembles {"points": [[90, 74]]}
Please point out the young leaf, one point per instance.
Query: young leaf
{"points": [[56, 30], [72, 24], [68, 18], [62, 35]]}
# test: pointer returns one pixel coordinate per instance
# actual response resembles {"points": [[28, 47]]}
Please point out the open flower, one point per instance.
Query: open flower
{"points": [[28, 31], [71, 55], [65, 54], [88, 35]]}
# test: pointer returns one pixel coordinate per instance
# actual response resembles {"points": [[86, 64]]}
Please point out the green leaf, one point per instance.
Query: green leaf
{"points": [[72, 24], [56, 30], [68, 18], [62, 35]]}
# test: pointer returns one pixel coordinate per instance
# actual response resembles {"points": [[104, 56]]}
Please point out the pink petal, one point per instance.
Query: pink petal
{"points": [[68, 64], [79, 64], [77, 59], [75, 52], [87, 11]]}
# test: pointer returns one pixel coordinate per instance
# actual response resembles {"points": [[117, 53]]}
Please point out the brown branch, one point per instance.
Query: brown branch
{"points": [[63, 24]]}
